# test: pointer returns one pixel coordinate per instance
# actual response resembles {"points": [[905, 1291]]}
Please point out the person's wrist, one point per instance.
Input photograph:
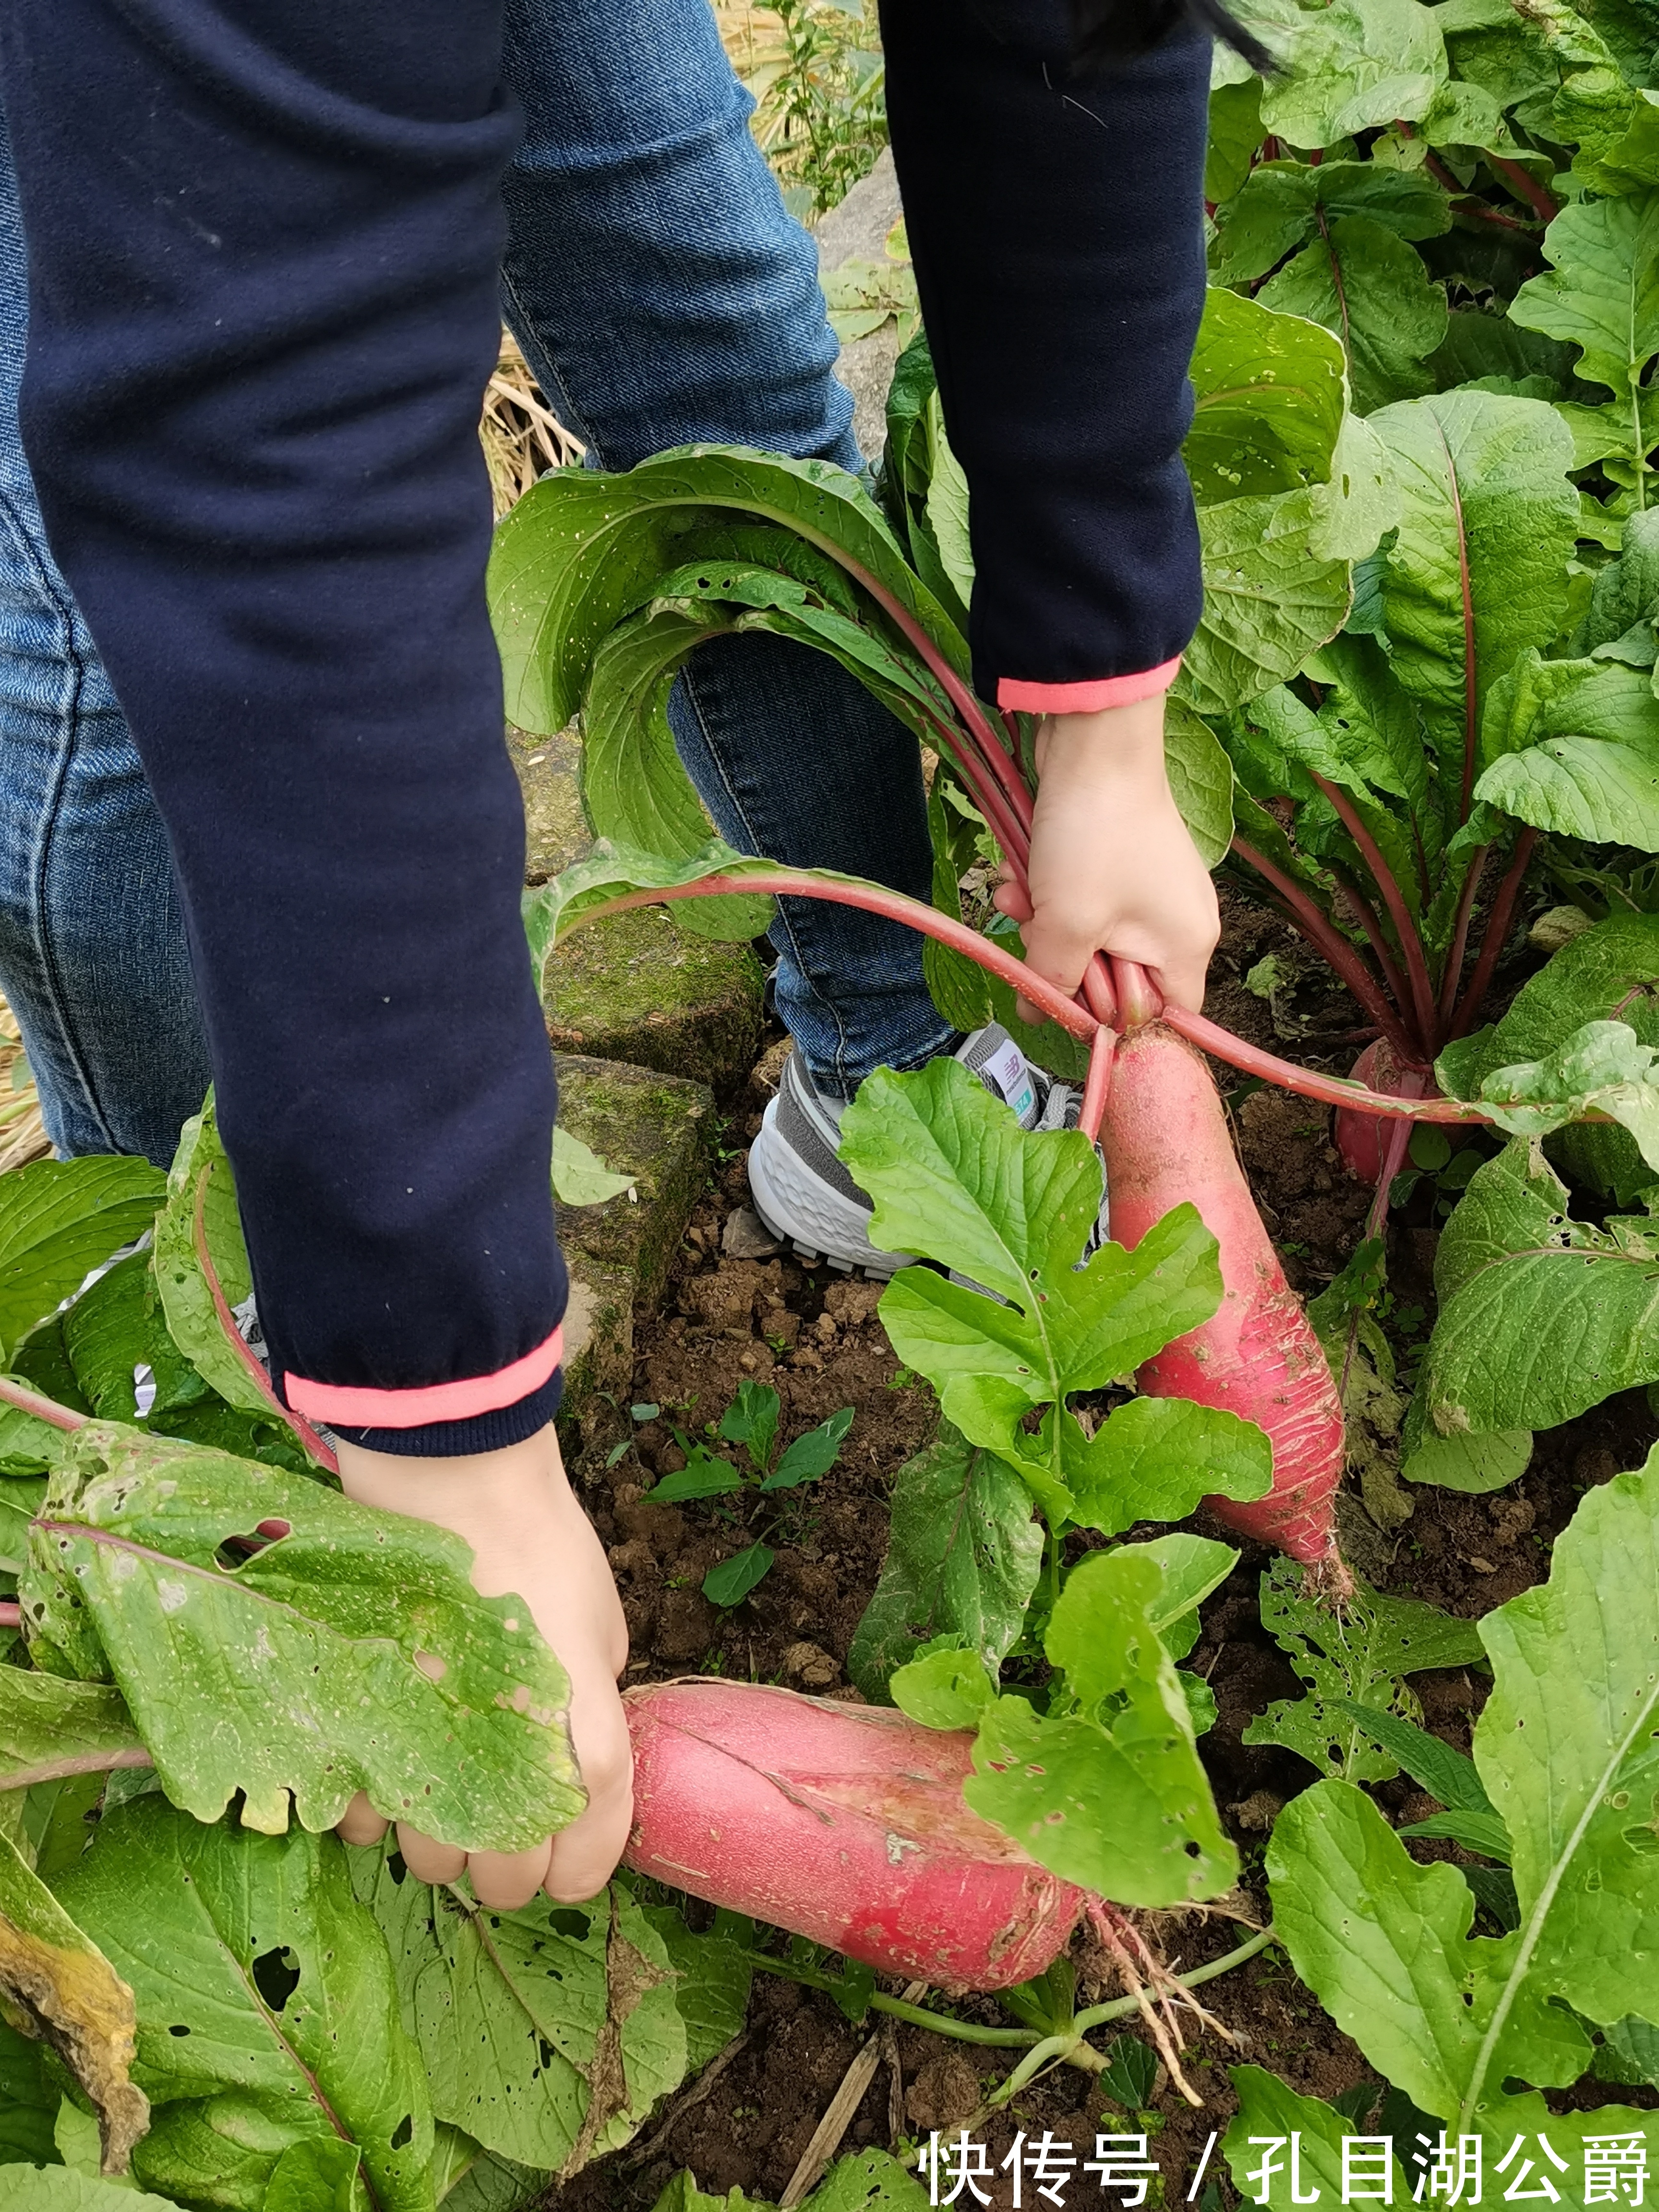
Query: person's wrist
{"points": [[1118, 746], [473, 1485]]}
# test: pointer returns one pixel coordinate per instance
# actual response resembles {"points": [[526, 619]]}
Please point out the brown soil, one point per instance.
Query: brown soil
{"points": [[815, 1337]]}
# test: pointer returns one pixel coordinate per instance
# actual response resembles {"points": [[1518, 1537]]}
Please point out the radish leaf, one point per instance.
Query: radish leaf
{"points": [[958, 1181], [1354, 1656], [963, 1555], [1483, 481], [1107, 1789], [944, 1688], [58, 1218], [1602, 1066], [1347, 67], [712, 1981], [546, 2033], [1271, 2117], [1602, 292], [1278, 205], [59, 2189], [256, 1948], [1360, 277], [581, 550], [1449, 1775], [55, 1982], [51, 1726], [192, 1319], [1607, 972], [1269, 400], [1541, 1316], [350, 1653], [1565, 1751], [1583, 788]]}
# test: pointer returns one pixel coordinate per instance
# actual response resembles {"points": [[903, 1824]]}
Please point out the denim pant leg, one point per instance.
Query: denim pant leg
{"points": [[664, 297], [93, 954]]}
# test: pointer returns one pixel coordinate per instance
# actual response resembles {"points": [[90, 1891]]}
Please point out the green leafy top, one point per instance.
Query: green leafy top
{"points": [[349, 1650], [1566, 1750], [957, 1180], [1356, 1657], [62, 1219], [256, 1948], [1105, 1788]]}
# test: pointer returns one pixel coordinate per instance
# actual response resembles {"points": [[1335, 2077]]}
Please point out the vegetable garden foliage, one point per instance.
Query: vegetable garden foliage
{"points": [[1562, 1790], [217, 1650], [1417, 686], [1467, 196]]}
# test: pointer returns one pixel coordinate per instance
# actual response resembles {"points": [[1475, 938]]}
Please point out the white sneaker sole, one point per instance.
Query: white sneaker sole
{"points": [[801, 1210]]}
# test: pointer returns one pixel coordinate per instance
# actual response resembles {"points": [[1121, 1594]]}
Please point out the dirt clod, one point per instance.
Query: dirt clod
{"points": [[685, 1625], [814, 1670], [945, 2091]]}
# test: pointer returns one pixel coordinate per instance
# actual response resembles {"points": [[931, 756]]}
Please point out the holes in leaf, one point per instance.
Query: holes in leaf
{"points": [[178, 2029], [1194, 1849], [396, 1868], [276, 1976], [403, 2130], [566, 1921], [236, 1551]]}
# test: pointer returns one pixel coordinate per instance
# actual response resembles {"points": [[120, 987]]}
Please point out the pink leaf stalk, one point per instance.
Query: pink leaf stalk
{"points": [[309, 1441]]}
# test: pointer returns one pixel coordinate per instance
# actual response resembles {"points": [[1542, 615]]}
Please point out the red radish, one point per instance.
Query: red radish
{"points": [[842, 1823], [1363, 1138], [1165, 1139]]}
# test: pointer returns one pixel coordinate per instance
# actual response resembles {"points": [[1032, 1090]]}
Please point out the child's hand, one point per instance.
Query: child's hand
{"points": [[1113, 867], [529, 1535]]}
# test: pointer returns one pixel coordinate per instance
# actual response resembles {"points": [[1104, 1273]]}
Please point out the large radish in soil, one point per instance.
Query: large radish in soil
{"points": [[845, 1824], [1363, 1138], [1165, 1139]]}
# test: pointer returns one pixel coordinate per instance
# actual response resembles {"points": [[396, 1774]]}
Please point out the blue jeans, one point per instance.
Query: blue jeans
{"points": [[663, 297]]}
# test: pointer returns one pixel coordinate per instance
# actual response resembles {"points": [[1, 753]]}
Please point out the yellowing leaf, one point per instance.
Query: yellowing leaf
{"points": [[58, 1986]]}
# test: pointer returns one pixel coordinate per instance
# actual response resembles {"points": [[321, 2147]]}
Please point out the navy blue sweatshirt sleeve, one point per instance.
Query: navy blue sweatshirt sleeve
{"points": [[263, 242], [1057, 225]]}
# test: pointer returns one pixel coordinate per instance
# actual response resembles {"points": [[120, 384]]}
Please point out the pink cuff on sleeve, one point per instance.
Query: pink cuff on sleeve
{"points": [[357, 1407], [1086, 698]]}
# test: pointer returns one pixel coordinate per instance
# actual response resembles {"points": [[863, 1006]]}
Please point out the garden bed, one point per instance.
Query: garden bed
{"points": [[813, 1334]]}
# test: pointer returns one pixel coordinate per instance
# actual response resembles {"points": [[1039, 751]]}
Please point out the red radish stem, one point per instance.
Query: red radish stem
{"points": [[1077, 1021], [1422, 991], [1166, 1140], [843, 1823], [43, 1409], [1096, 1089], [310, 1443]]}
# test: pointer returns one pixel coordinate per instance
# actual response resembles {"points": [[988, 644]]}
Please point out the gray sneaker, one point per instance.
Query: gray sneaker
{"points": [[804, 1192]]}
